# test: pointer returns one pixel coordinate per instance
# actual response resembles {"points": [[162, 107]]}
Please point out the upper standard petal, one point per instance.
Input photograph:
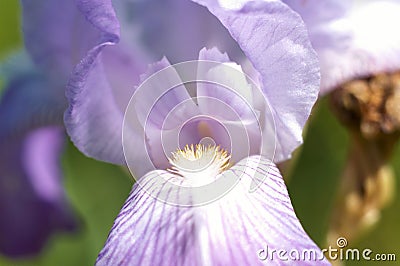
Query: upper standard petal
{"points": [[269, 34], [58, 34], [275, 41]]}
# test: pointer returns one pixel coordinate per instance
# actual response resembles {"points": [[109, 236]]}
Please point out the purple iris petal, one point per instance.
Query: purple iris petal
{"points": [[265, 39], [269, 40], [229, 231], [171, 119], [101, 86], [238, 95], [234, 107], [58, 35], [93, 119], [352, 39], [159, 25], [161, 122], [121, 65], [32, 200], [161, 106], [270, 36]]}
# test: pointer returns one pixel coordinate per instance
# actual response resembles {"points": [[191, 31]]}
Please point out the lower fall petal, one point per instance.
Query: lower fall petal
{"points": [[230, 230]]}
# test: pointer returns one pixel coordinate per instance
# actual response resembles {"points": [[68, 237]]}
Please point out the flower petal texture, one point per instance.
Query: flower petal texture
{"points": [[100, 86], [93, 121], [353, 40], [274, 40], [58, 34], [215, 108], [266, 39], [227, 231], [177, 29], [69, 31]]}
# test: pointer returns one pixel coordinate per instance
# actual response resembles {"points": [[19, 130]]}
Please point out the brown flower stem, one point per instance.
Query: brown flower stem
{"points": [[370, 109], [367, 186]]}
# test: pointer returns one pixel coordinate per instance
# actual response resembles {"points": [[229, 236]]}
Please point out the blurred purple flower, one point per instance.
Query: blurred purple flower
{"points": [[33, 204], [32, 200], [353, 39], [265, 40]]}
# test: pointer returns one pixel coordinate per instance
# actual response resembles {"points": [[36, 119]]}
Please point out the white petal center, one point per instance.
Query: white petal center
{"points": [[199, 164]]}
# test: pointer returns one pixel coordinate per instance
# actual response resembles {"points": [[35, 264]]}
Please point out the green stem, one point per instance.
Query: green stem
{"points": [[367, 186]]}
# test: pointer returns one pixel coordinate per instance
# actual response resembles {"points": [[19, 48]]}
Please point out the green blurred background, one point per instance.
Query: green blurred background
{"points": [[98, 190]]}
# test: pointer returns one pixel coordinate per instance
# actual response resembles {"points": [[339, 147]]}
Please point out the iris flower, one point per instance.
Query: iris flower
{"points": [[165, 220], [33, 204]]}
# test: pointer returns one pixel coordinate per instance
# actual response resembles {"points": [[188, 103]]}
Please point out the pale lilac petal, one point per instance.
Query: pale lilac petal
{"points": [[229, 99], [275, 40], [177, 29], [93, 119], [324, 21], [213, 54], [156, 113], [160, 94], [354, 40], [100, 87], [58, 35], [228, 84], [32, 199], [373, 49], [228, 231], [122, 66]]}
